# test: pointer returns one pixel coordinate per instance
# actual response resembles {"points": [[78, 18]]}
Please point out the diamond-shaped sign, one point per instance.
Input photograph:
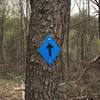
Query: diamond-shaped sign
{"points": [[49, 49]]}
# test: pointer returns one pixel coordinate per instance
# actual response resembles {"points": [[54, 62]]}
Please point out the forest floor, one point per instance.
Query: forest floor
{"points": [[8, 84]]}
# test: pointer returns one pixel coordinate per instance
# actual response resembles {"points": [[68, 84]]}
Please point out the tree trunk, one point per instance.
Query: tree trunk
{"points": [[67, 39], [1, 37], [42, 80], [83, 33], [99, 19], [22, 35]]}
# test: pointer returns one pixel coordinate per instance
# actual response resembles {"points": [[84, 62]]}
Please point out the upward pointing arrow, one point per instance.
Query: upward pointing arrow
{"points": [[49, 46]]}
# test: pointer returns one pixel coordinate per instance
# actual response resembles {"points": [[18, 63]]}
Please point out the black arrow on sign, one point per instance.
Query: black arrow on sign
{"points": [[49, 46]]}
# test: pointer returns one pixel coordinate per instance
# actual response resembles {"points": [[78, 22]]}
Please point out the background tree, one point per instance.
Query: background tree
{"points": [[2, 21], [97, 3]]}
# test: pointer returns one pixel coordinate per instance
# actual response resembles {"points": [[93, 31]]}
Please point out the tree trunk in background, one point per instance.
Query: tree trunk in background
{"points": [[97, 3], [22, 33], [43, 81], [82, 46], [67, 37], [83, 33], [99, 19], [1, 37], [90, 33]]}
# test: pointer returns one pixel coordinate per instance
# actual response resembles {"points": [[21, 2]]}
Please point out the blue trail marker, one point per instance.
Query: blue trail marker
{"points": [[49, 49]]}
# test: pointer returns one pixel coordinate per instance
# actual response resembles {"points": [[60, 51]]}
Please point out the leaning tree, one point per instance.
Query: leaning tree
{"points": [[43, 80]]}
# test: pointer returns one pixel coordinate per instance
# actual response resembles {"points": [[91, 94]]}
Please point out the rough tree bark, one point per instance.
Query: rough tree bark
{"points": [[43, 81]]}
